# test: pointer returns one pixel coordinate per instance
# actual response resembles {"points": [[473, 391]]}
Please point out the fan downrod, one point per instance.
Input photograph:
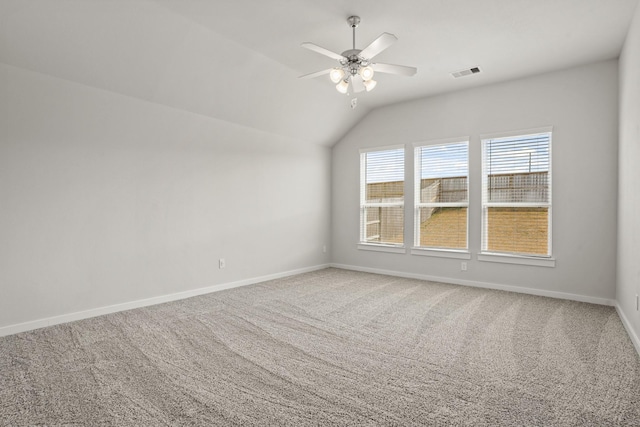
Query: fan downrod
{"points": [[353, 22]]}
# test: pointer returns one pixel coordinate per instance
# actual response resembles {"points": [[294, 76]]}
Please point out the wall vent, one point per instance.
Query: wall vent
{"points": [[474, 70]]}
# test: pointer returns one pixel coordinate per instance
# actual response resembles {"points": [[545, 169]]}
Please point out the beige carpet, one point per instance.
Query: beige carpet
{"points": [[331, 347]]}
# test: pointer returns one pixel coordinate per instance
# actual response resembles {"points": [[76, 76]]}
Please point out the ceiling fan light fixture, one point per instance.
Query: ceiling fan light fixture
{"points": [[356, 68], [370, 84], [366, 73], [336, 75], [343, 86]]}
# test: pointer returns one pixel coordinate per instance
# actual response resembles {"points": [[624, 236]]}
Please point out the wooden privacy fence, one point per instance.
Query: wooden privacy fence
{"points": [[531, 187], [387, 224], [429, 194], [441, 190]]}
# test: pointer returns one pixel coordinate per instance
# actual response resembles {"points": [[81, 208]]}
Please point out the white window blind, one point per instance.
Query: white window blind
{"points": [[382, 196], [441, 195], [516, 195]]}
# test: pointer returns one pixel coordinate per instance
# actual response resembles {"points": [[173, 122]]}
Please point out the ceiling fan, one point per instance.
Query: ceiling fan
{"points": [[356, 66]]}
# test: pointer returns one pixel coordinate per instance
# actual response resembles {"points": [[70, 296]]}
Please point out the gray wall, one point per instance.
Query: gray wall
{"points": [[628, 284], [582, 106], [108, 199]]}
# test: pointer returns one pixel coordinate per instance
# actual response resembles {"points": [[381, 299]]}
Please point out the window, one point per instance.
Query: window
{"points": [[516, 195], [441, 195], [382, 196]]}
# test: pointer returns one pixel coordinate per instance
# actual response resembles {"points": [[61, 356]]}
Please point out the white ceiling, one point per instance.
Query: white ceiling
{"points": [[238, 60]]}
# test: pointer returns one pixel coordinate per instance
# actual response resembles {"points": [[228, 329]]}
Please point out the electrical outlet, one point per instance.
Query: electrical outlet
{"points": [[222, 263], [463, 266], [324, 249]]}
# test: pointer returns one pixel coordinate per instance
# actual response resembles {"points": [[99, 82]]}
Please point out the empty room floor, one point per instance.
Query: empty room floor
{"points": [[330, 347]]}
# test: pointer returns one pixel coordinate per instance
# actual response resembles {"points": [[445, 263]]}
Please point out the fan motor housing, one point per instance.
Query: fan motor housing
{"points": [[354, 62], [351, 53]]}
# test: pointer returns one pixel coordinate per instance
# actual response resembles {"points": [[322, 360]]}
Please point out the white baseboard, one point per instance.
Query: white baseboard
{"points": [[627, 325], [518, 289], [71, 317]]}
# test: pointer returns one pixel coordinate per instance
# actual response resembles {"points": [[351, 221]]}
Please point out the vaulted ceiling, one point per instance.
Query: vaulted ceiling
{"points": [[238, 60]]}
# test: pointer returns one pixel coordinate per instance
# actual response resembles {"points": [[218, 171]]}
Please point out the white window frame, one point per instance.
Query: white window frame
{"points": [[362, 243], [431, 250], [510, 257]]}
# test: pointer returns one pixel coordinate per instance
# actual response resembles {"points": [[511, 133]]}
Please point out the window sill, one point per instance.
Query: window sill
{"points": [[382, 248], [517, 259], [441, 253]]}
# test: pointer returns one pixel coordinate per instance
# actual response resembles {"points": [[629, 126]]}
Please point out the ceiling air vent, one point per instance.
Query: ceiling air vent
{"points": [[474, 70]]}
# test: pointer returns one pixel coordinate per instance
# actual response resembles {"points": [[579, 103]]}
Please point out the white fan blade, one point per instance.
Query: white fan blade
{"points": [[316, 74], [378, 45], [322, 51], [357, 83], [403, 70]]}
